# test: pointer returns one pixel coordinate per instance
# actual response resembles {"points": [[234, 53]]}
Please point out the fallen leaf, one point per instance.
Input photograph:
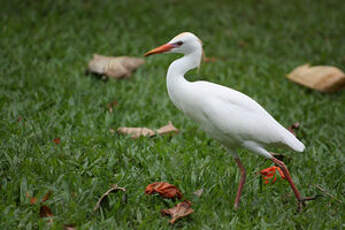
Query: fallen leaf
{"points": [[164, 189], [169, 128], [136, 132], [69, 227], [111, 105], [322, 78], [294, 127], [45, 211], [198, 193], [57, 140], [180, 210], [270, 172], [114, 188], [33, 200], [114, 67]]}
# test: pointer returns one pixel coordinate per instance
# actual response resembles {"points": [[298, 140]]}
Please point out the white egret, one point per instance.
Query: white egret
{"points": [[231, 117]]}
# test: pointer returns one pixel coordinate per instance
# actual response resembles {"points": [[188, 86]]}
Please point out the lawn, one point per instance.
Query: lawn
{"points": [[45, 94]]}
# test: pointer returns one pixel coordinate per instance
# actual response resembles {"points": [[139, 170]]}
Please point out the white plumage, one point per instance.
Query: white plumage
{"points": [[231, 117]]}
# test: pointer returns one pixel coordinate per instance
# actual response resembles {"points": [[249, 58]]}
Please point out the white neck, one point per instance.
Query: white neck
{"points": [[176, 82]]}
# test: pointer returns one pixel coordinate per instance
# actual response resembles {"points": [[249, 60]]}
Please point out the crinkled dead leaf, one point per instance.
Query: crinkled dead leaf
{"points": [[164, 189], [114, 188], [114, 67], [136, 132], [322, 78], [180, 210], [199, 192], [169, 128]]}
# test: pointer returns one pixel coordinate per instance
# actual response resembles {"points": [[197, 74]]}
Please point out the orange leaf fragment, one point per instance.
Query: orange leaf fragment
{"points": [[57, 140], [270, 173], [180, 210], [164, 189]]}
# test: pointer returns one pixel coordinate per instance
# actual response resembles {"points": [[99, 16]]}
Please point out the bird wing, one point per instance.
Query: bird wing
{"points": [[242, 119]]}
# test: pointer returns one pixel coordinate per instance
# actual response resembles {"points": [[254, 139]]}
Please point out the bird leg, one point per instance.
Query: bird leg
{"points": [[242, 181], [301, 201]]}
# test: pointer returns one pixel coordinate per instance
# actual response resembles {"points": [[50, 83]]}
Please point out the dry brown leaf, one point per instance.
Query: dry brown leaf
{"points": [[169, 128], [114, 188], [199, 192], [164, 189], [322, 78], [180, 210], [45, 211], [136, 132], [114, 67]]}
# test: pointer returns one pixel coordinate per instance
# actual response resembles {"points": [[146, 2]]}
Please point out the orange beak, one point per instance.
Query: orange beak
{"points": [[160, 49]]}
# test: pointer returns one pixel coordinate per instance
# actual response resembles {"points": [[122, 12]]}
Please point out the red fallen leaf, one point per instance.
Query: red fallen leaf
{"points": [[33, 200], [45, 211], [57, 140], [111, 105], [164, 189], [294, 127], [270, 172], [180, 210]]}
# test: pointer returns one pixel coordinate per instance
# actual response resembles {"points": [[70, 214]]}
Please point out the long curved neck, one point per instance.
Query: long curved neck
{"points": [[176, 82]]}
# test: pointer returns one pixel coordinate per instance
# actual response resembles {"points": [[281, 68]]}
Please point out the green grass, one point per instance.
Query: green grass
{"points": [[45, 47]]}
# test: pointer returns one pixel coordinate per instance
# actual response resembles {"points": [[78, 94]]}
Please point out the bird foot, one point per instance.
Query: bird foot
{"points": [[302, 202]]}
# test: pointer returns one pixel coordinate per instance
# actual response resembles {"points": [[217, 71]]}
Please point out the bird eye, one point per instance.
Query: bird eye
{"points": [[179, 43]]}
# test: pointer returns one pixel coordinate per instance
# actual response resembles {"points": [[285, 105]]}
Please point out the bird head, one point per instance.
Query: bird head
{"points": [[184, 43]]}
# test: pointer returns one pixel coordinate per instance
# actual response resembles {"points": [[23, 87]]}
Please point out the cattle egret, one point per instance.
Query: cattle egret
{"points": [[231, 117]]}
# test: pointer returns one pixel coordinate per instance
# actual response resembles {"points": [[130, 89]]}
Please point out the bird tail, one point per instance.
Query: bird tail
{"points": [[294, 143]]}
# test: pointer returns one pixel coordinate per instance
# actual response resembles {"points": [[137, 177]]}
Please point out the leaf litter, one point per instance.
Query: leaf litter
{"points": [[321, 78], [164, 189], [114, 67], [136, 132], [181, 210]]}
